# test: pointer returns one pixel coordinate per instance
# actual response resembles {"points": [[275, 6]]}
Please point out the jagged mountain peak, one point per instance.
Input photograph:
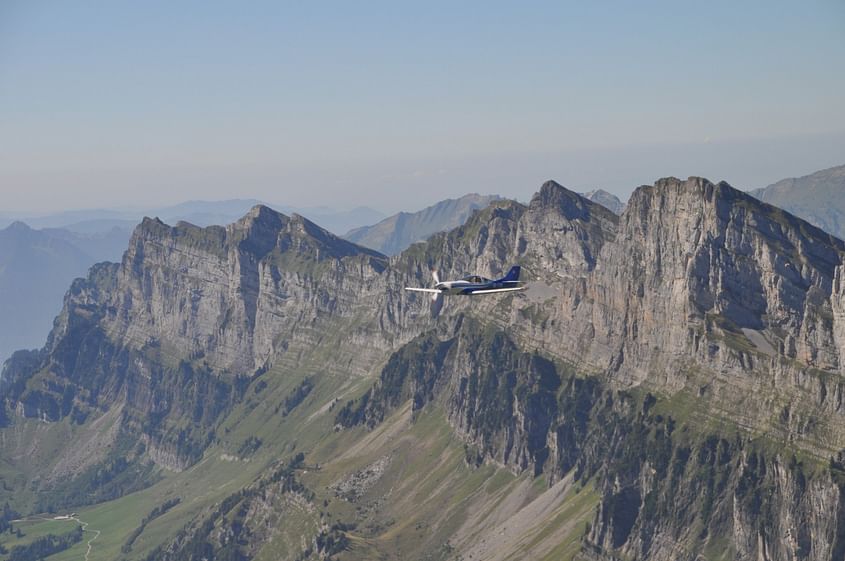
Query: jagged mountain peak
{"points": [[571, 205], [605, 199], [671, 196], [696, 186], [153, 226], [675, 186], [598, 192], [154, 221], [551, 186], [553, 194], [553, 191], [262, 212], [20, 231], [259, 232], [311, 238], [501, 209], [260, 220], [675, 199], [153, 232], [18, 226], [263, 219], [304, 224], [257, 215]]}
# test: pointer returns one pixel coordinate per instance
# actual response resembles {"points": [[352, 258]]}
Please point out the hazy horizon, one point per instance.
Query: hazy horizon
{"points": [[395, 108]]}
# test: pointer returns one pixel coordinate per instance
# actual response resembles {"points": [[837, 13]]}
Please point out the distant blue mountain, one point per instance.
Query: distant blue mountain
{"points": [[395, 233], [818, 198], [201, 213], [36, 269]]}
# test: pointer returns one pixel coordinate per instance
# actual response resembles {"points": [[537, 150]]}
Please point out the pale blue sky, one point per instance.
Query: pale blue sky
{"points": [[399, 104]]}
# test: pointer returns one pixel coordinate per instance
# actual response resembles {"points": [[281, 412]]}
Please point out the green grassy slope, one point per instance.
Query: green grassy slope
{"points": [[428, 500]]}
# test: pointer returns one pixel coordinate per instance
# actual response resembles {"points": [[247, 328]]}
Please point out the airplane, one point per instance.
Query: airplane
{"points": [[473, 284]]}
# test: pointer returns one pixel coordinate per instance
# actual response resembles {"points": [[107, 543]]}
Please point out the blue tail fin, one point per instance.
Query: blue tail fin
{"points": [[513, 274]]}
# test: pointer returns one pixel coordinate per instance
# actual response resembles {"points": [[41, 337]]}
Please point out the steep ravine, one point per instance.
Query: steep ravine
{"points": [[670, 489]]}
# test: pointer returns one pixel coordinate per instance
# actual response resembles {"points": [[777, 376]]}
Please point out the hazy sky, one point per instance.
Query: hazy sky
{"points": [[399, 104]]}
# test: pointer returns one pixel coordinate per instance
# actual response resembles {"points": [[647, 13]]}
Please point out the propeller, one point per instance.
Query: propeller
{"points": [[437, 297]]}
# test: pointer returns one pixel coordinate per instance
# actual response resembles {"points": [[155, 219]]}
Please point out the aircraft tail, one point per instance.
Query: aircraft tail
{"points": [[513, 274]]}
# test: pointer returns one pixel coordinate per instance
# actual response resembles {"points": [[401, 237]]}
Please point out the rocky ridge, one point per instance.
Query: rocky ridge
{"points": [[722, 310], [187, 319], [697, 287]]}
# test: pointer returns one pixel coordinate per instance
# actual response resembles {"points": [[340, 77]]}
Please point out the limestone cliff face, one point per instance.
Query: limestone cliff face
{"points": [[190, 315], [699, 293], [697, 288], [715, 496], [228, 294], [693, 251], [707, 291], [670, 489], [727, 312], [498, 398]]}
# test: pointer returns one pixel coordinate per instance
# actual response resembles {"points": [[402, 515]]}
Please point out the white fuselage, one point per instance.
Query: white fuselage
{"points": [[467, 287], [474, 284], [456, 287]]}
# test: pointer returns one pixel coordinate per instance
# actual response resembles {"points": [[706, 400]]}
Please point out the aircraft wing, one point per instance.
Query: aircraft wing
{"points": [[429, 290], [492, 290]]}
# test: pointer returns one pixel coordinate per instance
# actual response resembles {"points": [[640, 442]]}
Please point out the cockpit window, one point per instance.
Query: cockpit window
{"points": [[475, 278]]}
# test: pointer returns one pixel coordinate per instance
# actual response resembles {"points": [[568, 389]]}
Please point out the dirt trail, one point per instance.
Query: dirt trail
{"points": [[68, 518], [85, 529]]}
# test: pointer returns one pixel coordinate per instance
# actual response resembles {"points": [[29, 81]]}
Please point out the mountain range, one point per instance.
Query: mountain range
{"points": [[201, 213], [396, 233], [39, 258], [94, 236], [669, 387]]}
